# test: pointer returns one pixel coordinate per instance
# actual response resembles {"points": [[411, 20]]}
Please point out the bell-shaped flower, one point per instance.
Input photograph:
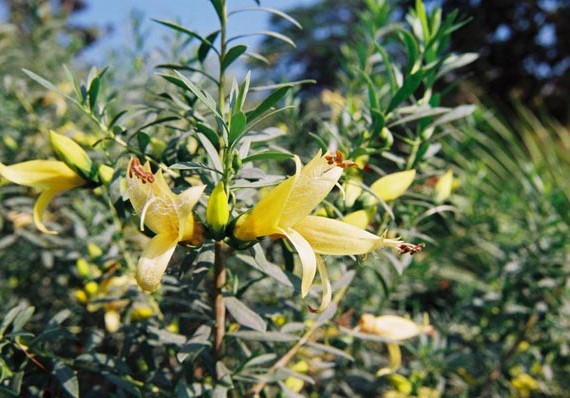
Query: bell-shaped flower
{"points": [[285, 213], [166, 214], [49, 176]]}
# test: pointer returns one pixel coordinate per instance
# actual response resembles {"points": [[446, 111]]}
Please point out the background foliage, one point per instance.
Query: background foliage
{"points": [[493, 277]]}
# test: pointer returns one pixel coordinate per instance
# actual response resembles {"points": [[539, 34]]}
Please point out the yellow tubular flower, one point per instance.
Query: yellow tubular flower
{"points": [[394, 329], [49, 176], [168, 215], [285, 212]]}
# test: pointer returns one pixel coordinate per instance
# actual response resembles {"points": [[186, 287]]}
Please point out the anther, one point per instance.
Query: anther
{"points": [[338, 160], [138, 170], [405, 247]]}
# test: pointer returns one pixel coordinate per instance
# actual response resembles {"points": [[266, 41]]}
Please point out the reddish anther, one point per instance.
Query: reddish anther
{"points": [[138, 170], [338, 160]]}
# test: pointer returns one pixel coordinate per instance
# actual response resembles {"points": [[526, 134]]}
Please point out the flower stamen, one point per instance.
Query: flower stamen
{"points": [[137, 169], [405, 247], [337, 160]]}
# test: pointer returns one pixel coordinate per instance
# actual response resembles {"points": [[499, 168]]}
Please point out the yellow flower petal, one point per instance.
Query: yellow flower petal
{"points": [[352, 190], [154, 261], [42, 174], [112, 321], [442, 189], [325, 283], [307, 256], [360, 218], [395, 360], [40, 207], [313, 184], [265, 216], [391, 327], [334, 237], [394, 185], [185, 203]]}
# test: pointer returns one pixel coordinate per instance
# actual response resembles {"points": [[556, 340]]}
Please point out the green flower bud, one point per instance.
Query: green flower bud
{"points": [[105, 174], [72, 155], [386, 137], [218, 211]]}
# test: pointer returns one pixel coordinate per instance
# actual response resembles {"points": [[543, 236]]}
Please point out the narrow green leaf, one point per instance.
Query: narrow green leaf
{"points": [[22, 318], [271, 11], [421, 14], [181, 81], [388, 67], [269, 155], [211, 151], [242, 93], [94, 87], [186, 31], [237, 126], [410, 85], [207, 45], [244, 315], [219, 7], [412, 48], [267, 103], [265, 336], [210, 133], [143, 140], [275, 35], [233, 54], [116, 119], [457, 113], [67, 378], [259, 360], [188, 68]]}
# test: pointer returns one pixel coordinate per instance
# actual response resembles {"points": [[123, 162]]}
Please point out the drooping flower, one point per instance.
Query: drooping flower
{"points": [[394, 329], [49, 176], [166, 214], [285, 213]]}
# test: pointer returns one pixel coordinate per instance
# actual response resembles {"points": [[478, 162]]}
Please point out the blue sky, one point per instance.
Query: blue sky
{"points": [[197, 15]]}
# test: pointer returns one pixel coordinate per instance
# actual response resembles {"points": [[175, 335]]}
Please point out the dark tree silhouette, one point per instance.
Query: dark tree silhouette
{"points": [[524, 49], [524, 46]]}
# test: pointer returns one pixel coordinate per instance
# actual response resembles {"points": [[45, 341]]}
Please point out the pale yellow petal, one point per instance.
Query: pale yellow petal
{"points": [[307, 257], [42, 174], [186, 202], [391, 327], [394, 185], [352, 190], [325, 283], [154, 202], [112, 321], [360, 218], [314, 183], [442, 189], [154, 260], [395, 360], [264, 218], [334, 237], [40, 207]]}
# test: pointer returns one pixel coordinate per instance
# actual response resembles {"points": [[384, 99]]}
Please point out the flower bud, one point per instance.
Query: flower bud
{"points": [[386, 137], [105, 174], [218, 211], [72, 155], [443, 187]]}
